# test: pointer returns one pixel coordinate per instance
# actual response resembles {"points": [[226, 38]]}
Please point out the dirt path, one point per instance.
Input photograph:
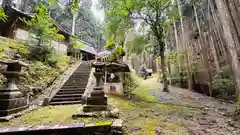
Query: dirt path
{"points": [[213, 119]]}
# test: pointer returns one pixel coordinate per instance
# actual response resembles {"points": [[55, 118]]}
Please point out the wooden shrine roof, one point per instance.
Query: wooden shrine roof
{"points": [[114, 67]]}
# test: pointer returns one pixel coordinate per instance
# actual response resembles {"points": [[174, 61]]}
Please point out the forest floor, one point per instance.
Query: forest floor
{"points": [[151, 112], [179, 112]]}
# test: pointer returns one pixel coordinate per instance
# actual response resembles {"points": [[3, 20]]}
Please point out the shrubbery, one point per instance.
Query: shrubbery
{"points": [[222, 82], [130, 82], [44, 65]]}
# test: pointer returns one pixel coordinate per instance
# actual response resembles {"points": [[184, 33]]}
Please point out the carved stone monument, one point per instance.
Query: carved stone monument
{"points": [[97, 100], [11, 99]]}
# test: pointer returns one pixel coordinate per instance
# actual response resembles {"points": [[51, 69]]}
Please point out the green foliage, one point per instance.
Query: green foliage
{"points": [[137, 45], [38, 74], [51, 2], [87, 27], [109, 45], [130, 82], [75, 44], [73, 5], [222, 85], [41, 25], [41, 53], [12, 47], [3, 16], [78, 45], [223, 81], [119, 51]]}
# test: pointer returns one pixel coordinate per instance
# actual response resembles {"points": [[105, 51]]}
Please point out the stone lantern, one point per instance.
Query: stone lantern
{"points": [[97, 100], [11, 99]]}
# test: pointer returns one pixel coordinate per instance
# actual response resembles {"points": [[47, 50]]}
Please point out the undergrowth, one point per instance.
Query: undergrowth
{"points": [[41, 72]]}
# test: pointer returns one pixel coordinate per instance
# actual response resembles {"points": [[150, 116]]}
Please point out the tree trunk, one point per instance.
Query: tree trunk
{"points": [[214, 52], [184, 43], [164, 76], [177, 45], [225, 18]]}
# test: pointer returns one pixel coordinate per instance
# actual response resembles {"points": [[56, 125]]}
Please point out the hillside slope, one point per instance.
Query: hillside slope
{"points": [[39, 74]]}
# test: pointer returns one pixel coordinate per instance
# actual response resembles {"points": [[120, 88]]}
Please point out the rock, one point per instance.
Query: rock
{"points": [[204, 113], [45, 101], [117, 123], [231, 123], [203, 122], [6, 119], [213, 121], [142, 115], [114, 113], [135, 129], [158, 131], [116, 132]]}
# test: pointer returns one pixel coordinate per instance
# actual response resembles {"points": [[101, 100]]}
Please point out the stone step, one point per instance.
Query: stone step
{"points": [[77, 79], [76, 90], [65, 103], [79, 84], [70, 92], [82, 72], [67, 95], [60, 99], [75, 83], [73, 87], [80, 75]]}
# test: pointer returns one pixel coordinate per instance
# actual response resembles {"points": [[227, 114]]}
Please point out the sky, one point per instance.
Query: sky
{"points": [[99, 14]]}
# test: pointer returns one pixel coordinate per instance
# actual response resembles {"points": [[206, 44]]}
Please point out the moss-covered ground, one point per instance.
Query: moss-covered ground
{"points": [[53, 115], [144, 116]]}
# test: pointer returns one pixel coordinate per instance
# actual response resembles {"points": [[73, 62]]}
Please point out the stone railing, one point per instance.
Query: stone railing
{"points": [[91, 83]]}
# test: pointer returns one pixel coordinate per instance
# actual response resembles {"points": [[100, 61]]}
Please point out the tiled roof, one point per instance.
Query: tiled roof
{"points": [[30, 15], [88, 47]]}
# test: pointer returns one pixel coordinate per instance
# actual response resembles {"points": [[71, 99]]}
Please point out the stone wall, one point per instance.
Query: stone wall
{"points": [[59, 46], [117, 86]]}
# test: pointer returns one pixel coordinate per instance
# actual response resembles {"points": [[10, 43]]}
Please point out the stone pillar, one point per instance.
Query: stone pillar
{"points": [[11, 99], [97, 100]]}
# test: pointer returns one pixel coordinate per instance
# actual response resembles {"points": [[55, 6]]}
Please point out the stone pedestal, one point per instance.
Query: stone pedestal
{"points": [[11, 99], [97, 100]]}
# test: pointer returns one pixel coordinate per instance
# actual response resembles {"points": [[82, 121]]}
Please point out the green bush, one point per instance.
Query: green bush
{"points": [[222, 82], [130, 82], [41, 53]]}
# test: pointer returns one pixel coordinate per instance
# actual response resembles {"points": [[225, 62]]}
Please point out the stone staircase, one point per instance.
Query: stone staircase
{"points": [[73, 89]]}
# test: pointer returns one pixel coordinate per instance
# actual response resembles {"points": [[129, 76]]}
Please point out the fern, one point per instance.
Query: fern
{"points": [[3, 16]]}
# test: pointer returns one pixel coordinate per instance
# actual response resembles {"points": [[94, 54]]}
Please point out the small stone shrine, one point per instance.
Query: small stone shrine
{"points": [[115, 87], [11, 99], [97, 100]]}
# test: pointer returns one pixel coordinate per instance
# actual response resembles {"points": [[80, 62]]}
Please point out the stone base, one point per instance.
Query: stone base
{"points": [[98, 92], [13, 104], [92, 108], [12, 111], [96, 100]]}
